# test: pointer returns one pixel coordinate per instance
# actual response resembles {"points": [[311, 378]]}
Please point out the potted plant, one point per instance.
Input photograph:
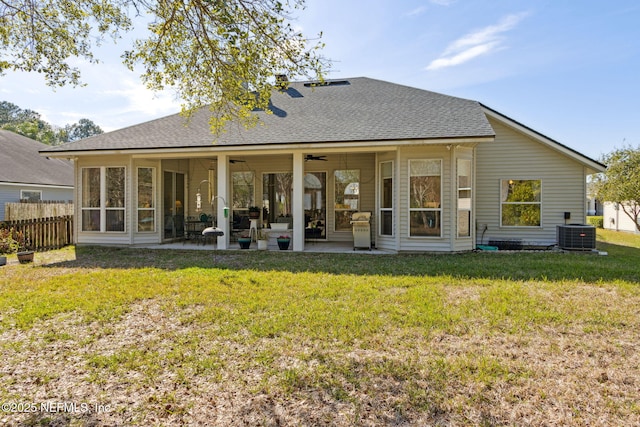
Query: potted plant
{"points": [[25, 251], [283, 242], [263, 239], [254, 212], [244, 241]]}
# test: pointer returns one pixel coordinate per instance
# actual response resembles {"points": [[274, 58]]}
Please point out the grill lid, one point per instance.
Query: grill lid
{"points": [[361, 217]]}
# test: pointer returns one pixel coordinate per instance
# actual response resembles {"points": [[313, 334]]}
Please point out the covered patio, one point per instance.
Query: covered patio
{"points": [[308, 196]]}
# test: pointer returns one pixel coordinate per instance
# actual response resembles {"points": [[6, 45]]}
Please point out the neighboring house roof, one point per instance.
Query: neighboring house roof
{"points": [[21, 163], [356, 109]]}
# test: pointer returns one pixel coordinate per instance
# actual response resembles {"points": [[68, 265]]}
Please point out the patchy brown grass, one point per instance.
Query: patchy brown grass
{"points": [[143, 338]]}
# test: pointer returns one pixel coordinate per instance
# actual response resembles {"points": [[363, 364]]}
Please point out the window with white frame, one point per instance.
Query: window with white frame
{"points": [[146, 199], [425, 198], [464, 197], [520, 202], [347, 197], [103, 199], [31, 195], [243, 190], [386, 198]]}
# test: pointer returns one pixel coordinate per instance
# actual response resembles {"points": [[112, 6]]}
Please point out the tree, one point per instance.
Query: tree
{"points": [[220, 53], [28, 123], [38, 130], [83, 129], [620, 183], [11, 113]]}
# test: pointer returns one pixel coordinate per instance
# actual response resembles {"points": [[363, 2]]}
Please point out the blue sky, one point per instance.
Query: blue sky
{"points": [[568, 69]]}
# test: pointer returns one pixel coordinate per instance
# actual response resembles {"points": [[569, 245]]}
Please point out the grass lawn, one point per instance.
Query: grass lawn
{"points": [[104, 336]]}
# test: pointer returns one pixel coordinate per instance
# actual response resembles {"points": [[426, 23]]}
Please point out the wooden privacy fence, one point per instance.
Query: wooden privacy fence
{"points": [[44, 233], [41, 209]]}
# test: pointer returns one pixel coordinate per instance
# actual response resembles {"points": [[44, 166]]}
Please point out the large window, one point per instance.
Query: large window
{"points": [[243, 191], [277, 195], [315, 205], [146, 199], [347, 197], [386, 198], [103, 199], [520, 202], [425, 198], [464, 198]]}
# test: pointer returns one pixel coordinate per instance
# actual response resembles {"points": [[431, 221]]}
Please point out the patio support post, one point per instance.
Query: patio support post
{"points": [[298, 201], [222, 199]]}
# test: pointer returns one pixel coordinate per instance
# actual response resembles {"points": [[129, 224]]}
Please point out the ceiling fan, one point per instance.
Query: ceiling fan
{"points": [[309, 157], [234, 161]]}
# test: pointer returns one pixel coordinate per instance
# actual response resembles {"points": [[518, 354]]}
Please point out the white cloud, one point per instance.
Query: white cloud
{"points": [[464, 56], [478, 43], [417, 11], [138, 99]]}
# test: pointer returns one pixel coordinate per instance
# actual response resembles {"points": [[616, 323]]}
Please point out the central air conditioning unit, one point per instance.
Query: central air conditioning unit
{"points": [[576, 237]]}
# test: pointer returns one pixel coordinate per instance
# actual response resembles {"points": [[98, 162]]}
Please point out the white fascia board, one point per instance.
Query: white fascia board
{"points": [[185, 152]]}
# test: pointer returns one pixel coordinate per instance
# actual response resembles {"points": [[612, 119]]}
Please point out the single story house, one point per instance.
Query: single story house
{"points": [[26, 175], [436, 172]]}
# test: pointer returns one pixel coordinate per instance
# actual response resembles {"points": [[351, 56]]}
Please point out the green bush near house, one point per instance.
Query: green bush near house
{"points": [[596, 221]]}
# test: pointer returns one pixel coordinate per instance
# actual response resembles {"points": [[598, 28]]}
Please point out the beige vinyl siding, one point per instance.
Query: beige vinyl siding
{"points": [[515, 156], [422, 244]]}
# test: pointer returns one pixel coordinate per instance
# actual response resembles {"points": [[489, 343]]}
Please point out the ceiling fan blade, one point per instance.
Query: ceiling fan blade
{"points": [[312, 157]]}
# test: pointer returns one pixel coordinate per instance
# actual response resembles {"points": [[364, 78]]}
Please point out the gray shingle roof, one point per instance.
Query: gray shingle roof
{"points": [[357, 109], [21, 163]]}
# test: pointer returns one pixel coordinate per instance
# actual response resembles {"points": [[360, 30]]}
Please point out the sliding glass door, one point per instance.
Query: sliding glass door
{"points": [[174, 199]]}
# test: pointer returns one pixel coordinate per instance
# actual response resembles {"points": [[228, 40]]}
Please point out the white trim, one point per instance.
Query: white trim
{"points": [[205, 151], [18, 184], [298, 201]]}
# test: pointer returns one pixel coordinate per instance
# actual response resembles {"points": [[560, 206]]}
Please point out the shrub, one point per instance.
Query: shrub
{"points": [[10, 240], [596, 221]]}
